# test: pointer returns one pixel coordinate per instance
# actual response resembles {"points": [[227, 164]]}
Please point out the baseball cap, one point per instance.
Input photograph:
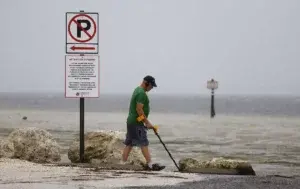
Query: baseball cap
{"points": [[150, 80]]}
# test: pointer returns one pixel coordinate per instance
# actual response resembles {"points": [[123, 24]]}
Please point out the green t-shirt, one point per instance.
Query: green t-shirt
{"points": [[139, 96]]}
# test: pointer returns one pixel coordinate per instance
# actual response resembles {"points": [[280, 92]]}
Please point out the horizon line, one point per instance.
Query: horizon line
{"points": [[161, 94]]}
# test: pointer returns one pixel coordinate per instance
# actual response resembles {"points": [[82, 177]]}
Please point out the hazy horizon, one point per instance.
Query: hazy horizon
{"points": [[155, 94]]}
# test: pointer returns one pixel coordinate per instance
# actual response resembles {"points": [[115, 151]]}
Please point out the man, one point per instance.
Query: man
{"points": [[138, 123]]}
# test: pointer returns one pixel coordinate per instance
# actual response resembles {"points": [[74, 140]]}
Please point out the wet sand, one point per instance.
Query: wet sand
{"points": [[17, 174], [219, 183], [255, 182], [26, 175]]}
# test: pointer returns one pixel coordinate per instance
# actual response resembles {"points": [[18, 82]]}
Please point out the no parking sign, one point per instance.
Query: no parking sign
{"points": [[82, 33]]}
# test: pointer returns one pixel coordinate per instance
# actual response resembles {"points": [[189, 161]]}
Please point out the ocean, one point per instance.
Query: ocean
{"points": [[265, 130]]}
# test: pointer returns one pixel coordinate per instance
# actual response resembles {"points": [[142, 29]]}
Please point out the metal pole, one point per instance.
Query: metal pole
{"points": [[167, 150], [212, 108], [81, 109], [81, 121]]}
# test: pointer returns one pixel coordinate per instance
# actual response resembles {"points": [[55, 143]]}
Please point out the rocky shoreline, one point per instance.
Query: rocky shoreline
{"points": [[103, 149]]}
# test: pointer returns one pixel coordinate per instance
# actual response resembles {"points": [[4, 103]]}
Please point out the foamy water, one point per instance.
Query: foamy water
{"points": [[271, 144]]}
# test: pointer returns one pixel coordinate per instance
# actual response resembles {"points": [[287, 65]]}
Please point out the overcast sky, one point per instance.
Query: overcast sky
{"points": [[250, 46]]}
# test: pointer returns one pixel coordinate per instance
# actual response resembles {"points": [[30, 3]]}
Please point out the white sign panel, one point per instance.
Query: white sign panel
{"points": [[82, 33], [82, 76], [212, 84]]}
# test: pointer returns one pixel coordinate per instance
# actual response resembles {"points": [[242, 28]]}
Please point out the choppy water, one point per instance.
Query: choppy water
{"points": [[263, 130]]}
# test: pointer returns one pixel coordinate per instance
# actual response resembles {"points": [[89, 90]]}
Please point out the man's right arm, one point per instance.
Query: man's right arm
{"points": [[141, 98]]}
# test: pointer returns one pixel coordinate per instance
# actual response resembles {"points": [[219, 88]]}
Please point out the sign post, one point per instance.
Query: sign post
{"points": [[82, 65], [212, 84]]}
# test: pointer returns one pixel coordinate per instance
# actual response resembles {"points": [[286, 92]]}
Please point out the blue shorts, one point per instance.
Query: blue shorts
{"points": [[136, 136]]}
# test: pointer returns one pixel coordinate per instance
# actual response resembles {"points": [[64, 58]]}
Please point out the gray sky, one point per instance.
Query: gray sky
{"points": [[250, 47]]}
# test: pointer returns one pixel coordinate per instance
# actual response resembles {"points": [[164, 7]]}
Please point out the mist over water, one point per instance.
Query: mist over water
{"points": [[194, 104]]}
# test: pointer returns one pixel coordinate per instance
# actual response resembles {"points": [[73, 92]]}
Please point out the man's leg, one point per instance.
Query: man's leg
{"points": [[146, 154], [137, 136], [144, 143], [126, 153], [128, 142]]}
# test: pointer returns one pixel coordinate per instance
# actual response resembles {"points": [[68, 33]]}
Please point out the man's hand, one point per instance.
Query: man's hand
{"points": [[149, 125], [155, 128]]}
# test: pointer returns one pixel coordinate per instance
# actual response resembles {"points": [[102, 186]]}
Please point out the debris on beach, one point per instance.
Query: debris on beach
{"points": [[216, 166], [104, 147], [6, 149], [31, 144]]}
